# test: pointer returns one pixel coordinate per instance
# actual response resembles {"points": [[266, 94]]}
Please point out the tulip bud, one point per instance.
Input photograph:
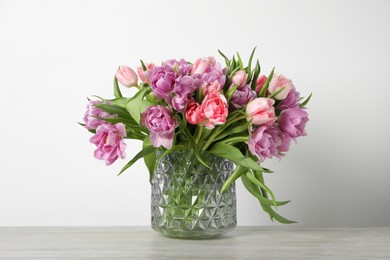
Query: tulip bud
{"points": [[127, 77], [282, 84], [141, 72], [240, 78], [261, 111], [260, 83]]}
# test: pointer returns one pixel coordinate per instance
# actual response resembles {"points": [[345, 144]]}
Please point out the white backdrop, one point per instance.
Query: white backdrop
{"points": [[54, 54]]}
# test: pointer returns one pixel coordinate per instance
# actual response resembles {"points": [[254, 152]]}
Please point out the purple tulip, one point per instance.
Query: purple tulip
{"points": [[267, 142], [292, 121], [162, 80], [182, 92], [109, 142], [285, 141], [208, 70], [91, 122], [291, 101], [182, 67], [241, 97], [161, 124]]}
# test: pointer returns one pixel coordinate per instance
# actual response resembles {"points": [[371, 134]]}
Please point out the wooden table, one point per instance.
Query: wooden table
{"points": [[242, 243]]}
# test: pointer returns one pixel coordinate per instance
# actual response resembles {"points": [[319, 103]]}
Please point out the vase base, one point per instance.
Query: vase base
{"points": [[194, 234]]}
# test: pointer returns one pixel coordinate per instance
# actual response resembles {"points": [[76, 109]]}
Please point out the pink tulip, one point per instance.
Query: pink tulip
{"points": [[127, 76], [239, 79], [91, 115], [261, 111], [277, 83], [194, 113], [161, 123], [215, 110], [203, 65], [141, 72], [260, 83], [109, 142], [215, 87]]}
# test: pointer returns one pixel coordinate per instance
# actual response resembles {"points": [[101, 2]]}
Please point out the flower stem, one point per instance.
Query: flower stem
{"points": [[198, 133], [235, 139], [235, 120], [218, 131]]}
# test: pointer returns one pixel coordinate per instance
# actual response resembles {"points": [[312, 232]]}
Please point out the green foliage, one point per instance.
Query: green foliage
{"points": [[256, 74], [235, 175], [248, 68], [266, 83], [230, 92], [264, 202], [194, 147], [117, 91], [149, 159], [136, 105], [143, 65], [145, 151], [234, 154], [304, 103], [227, 61], [277, 92]]}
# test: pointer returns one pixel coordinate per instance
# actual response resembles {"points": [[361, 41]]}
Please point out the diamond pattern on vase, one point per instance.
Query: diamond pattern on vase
{"points": [[186, 195]]}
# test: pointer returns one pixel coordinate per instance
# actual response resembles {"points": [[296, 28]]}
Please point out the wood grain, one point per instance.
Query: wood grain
{"points": [[243, 243]]}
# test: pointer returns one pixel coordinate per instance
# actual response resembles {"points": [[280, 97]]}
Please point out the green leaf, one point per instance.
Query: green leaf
{"points": [[150, 159], [145, 104], [250, 60], [258, 183], [133, 135], [120, 102], [117, 91], [230, 92], [256, 74], [277, 216], [277, 92], [166, 152], [89, 130], [306, 101], [115, 120], [143, 65], [235, 175], [114, 110], [145, 151], [254, 190], [233, 72], [182, 125], [240, 63], [227, 61], [231, 131], [96, 96], [194, 147], [232, 153], [266, 83], [233, 63], [136, 104]]}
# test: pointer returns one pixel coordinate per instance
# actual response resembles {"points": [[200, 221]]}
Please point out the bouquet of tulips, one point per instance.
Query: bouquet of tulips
{"points": [[232, 112]]}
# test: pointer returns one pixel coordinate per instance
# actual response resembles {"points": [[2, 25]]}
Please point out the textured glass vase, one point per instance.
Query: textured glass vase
{"points": [[186, 196]]}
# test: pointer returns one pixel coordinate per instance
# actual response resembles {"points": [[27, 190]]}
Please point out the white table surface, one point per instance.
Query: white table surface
{"points": [[285, 242]]}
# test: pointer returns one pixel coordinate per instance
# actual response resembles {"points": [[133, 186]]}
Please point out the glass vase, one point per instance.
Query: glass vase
{"points": [[186, 196]]}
